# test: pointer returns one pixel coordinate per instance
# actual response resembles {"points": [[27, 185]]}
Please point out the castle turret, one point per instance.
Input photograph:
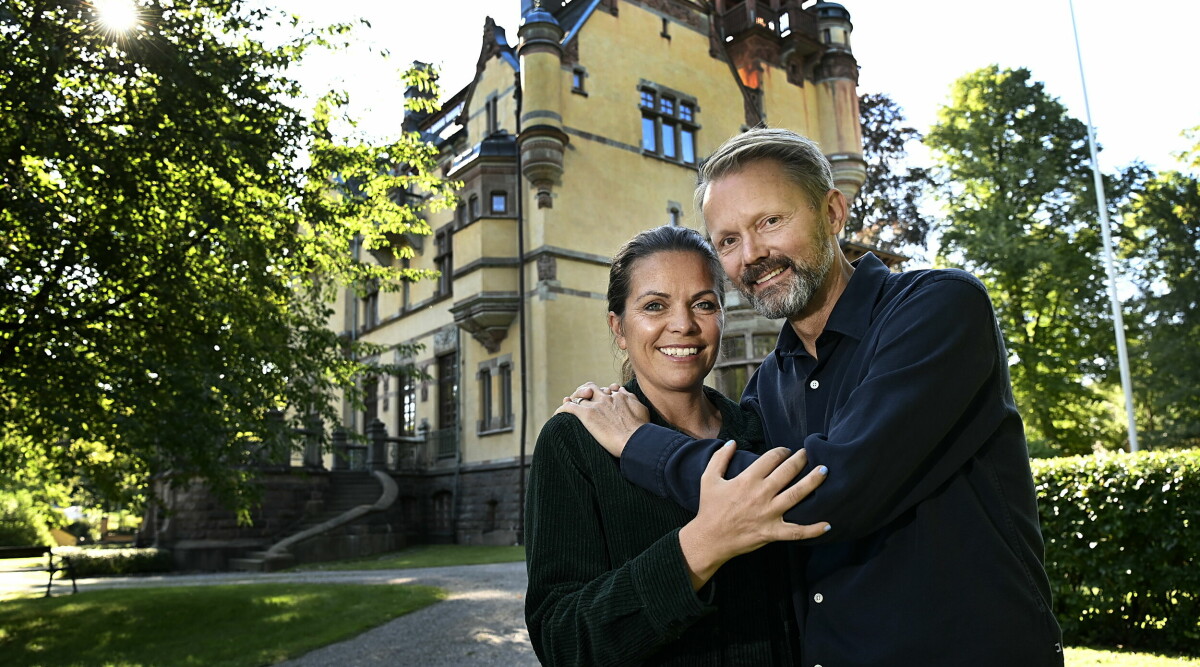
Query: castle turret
{"points": [[837, 80], [541, 138]]}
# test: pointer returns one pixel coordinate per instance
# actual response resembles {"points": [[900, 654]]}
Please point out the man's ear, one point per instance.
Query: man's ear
{"points": [[836, 210], [614, 324]]}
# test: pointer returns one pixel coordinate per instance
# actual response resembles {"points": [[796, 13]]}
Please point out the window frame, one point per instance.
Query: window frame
{"points": [[443, 261], [579, 80], [370, 306], [506, 395], [492, 202], [406, 403], [668, 124]]}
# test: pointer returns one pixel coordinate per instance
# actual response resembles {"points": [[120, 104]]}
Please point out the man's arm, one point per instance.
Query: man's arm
{"points": [[620, 423], [921, 411]]}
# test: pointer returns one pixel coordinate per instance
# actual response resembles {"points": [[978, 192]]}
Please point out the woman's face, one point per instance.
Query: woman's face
{"points": [[671, 328]]}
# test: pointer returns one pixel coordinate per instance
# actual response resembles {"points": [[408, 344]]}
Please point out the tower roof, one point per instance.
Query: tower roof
{"points": [[538, 14]]}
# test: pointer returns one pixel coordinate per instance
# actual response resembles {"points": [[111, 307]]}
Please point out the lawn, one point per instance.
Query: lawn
{"points": [[255, 624], [436, 555]]}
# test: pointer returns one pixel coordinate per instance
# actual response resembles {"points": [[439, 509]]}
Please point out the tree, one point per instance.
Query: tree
{"points": [[887, 211], [172, 236], [1164, 221], [1020, 214]]}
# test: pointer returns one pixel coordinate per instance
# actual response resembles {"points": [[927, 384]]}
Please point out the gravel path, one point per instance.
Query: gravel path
{"points": [[481, 621]]}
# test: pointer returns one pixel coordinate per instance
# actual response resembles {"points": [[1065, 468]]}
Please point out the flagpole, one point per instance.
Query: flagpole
{"points": [[1110, 267]]}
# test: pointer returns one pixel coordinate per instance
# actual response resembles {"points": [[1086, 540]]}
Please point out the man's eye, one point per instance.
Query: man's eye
{"points": [[772, 220]]}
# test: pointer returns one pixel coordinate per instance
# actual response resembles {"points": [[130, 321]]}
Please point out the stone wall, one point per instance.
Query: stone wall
{"points": [[203, 532]]}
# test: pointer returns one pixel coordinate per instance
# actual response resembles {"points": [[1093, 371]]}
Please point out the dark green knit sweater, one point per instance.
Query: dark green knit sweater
{"points": [[607, 580]]}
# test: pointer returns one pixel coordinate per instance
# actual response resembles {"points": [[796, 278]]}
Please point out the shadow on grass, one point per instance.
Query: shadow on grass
{"points": [[254, 624]]}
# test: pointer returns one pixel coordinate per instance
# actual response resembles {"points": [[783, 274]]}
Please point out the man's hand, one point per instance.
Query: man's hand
{"points": [[611, 414], [742, 514]]}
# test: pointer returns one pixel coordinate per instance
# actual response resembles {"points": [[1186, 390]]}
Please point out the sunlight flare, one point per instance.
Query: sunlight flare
{"points": [[116, 16]]}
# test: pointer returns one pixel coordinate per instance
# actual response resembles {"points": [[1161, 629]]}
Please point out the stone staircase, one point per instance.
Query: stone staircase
{"points": [[350, 524]]}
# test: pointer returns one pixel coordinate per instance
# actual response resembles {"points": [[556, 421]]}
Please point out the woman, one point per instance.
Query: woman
{"points": [[619, 576]]}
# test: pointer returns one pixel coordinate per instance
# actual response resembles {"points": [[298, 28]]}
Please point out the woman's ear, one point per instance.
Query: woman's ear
{"points": [[614, 324]]}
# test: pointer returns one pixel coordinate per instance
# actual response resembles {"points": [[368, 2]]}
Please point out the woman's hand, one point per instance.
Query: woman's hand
{"points": [[742, 514], [611, 414]]}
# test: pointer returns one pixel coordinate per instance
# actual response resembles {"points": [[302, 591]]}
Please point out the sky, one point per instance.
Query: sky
{"points": [[1135, 54]]}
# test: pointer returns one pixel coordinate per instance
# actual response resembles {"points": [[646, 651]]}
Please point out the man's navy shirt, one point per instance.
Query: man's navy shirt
{"points": [[935, 556]]}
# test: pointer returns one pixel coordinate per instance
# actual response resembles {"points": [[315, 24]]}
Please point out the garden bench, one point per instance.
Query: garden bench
{"points": [[63, 563]]}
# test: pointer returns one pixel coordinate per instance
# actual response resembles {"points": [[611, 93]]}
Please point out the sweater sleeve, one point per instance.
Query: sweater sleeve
{"points": [[924, 407], [581, 608]]}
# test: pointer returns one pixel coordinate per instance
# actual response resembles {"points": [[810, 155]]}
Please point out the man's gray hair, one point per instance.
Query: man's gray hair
{"points": [[801, 158]]}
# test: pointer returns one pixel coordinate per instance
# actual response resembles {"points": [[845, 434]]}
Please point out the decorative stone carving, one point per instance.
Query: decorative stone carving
{"points": [[547, 268], [487, 316], [445, 340]]}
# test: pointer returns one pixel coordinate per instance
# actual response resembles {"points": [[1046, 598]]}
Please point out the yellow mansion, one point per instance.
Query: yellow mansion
{"points": [[583, 130]]}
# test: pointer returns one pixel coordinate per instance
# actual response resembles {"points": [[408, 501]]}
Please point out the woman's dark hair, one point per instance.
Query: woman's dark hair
{"points": [[651, 242]]}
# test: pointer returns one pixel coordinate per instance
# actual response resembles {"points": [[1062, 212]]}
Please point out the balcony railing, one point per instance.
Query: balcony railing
{"points": [[787, 22]]}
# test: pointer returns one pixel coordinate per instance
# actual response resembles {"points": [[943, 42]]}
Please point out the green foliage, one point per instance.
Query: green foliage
{"points": [[104, 562], [1085, 657], [23, 521], [250, 625], [1163, 226], [1121, 547], [1019, 213], [887, 211], [172, 234]]}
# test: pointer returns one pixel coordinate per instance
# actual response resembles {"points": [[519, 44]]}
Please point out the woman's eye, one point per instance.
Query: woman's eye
{"points": [[706, 305], [653, 307]]}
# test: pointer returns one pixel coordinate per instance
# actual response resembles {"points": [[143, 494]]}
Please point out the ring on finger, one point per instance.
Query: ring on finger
{"points": [[576, 401]]}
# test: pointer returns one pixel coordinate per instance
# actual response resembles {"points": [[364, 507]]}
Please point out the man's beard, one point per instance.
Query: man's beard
{"points": [[791, 296]]}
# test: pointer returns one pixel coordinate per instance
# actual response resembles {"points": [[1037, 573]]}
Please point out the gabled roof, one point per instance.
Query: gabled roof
{"points": [[572, 17], [495, 45]]}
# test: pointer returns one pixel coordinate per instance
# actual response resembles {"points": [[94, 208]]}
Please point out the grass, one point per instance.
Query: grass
{"points": [[436, 555], [254, 624], [1085, 657], [267, 623]]}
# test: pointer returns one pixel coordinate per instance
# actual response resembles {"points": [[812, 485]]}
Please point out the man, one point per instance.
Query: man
{"points": [[899, 384]]}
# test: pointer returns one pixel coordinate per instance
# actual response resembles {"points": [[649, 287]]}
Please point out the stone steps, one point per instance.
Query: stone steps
{"points": [[347, 491]]}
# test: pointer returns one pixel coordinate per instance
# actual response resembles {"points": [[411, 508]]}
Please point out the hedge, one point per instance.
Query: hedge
{"points": [[101, 562], [21, 524], [1122, 539]]}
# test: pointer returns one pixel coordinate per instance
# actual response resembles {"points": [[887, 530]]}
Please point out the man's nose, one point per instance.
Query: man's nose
{"points": [[753, 250]]}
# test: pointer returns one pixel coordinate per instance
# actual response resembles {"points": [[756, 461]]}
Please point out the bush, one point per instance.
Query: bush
{"points": [[1121, 548], [21, 524], [100, 562]]}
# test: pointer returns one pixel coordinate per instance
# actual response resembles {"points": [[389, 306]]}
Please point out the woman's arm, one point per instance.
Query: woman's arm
{"points": [[582, 608]]}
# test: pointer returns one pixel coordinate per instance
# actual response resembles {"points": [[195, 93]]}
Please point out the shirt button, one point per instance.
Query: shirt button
{"points": [[814, 384], [818, 598]]}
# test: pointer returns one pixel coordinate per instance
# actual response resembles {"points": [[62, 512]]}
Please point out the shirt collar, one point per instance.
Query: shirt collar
{"points": [[851, 315]]}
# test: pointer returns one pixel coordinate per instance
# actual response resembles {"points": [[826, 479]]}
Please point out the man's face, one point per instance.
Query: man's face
{"points": [[775, 248]]}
